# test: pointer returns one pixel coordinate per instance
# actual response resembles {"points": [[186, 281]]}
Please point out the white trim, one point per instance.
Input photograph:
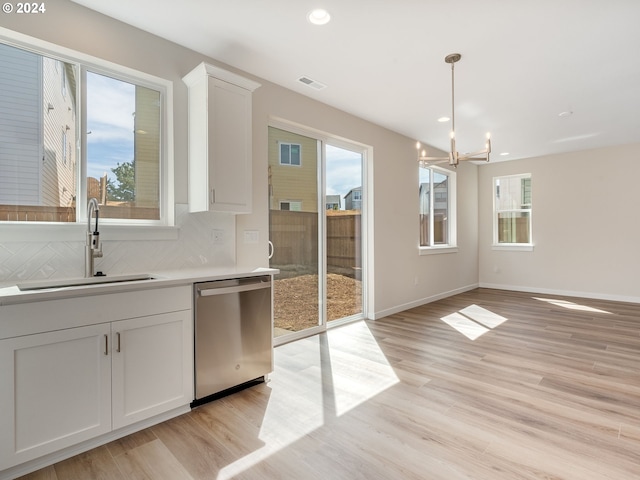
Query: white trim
{"points": [[452, 211], [437, 250], [564, 293], [423, 301], [513, 247], [522, 210], [204, 69]]}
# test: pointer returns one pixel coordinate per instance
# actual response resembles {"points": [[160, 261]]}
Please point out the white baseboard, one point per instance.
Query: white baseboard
{"points": [[564, 293], [422, 301]]}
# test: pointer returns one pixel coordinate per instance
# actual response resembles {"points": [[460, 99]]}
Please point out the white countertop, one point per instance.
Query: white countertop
{"points": [[168, 278]]}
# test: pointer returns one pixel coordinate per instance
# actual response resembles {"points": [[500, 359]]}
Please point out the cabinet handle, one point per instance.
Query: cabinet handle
{"points": [[118, 337], [106, 344], [212, 197]]}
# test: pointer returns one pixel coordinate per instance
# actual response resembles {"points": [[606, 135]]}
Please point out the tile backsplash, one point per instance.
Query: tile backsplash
{"points": [[194, 247]]}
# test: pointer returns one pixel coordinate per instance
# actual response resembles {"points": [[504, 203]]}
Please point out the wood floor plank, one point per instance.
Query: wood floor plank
{"points": [[47, 473], [550, 390], [152, 460], [95, 464]]}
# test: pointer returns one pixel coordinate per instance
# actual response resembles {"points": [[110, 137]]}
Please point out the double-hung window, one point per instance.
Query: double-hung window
{"points": [[437, 193], [512, 210], [75, 129]]}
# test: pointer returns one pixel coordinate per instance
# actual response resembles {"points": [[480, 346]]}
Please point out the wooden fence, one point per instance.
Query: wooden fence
{"points": [[20, 213], [295, 239]]}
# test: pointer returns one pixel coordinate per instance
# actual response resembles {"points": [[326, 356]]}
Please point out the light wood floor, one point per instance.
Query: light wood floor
{"points": [[552, 392]]}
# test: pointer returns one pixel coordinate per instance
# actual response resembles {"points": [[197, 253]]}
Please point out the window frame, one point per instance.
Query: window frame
{"points": [[452, 245], [280, 162], [515, 246], [118, 229], [297, 203]]}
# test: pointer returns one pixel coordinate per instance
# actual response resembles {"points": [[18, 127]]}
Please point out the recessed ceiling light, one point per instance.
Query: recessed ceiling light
{"points": [[443, 119], [566, 113], [504, 154], [319, 16]]}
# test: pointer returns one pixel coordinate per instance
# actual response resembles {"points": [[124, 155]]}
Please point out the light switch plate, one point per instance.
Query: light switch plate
{"points": [[251, 236]]}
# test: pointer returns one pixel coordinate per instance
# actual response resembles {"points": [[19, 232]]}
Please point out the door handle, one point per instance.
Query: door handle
{"points": [[271, 249]]}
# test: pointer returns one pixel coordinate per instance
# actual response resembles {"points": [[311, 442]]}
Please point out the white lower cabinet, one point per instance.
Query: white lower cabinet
{"points": [[63, 387], [151, 366], [56, 391]]}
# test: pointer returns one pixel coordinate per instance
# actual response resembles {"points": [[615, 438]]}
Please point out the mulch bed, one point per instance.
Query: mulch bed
{"points": [[296, 300]]}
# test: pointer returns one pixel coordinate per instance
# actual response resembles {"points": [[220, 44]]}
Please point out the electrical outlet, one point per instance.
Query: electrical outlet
{"points": [[217, 236]]}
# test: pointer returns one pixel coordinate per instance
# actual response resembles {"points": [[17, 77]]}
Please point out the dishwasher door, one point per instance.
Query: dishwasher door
{"points": [[233, 333]]}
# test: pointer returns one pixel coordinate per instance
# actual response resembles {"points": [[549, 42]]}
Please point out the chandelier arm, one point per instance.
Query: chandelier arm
{"points": [[481, 155]]}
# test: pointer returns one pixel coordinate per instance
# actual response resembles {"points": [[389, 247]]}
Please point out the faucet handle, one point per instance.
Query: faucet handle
{"points": [[96, 246]]}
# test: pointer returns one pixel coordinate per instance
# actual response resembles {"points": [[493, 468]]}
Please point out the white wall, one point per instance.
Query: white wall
{"points": [[400, 277], [584, 222]]}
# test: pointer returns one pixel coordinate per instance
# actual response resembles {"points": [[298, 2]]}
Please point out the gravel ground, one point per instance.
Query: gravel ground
{"points": [[296, 300]]}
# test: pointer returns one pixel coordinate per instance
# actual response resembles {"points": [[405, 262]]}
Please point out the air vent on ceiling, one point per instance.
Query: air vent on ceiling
{"points": [[312, 83]]}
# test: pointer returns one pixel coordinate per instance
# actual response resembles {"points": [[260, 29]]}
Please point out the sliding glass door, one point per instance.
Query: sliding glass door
{"points": [[315, 231]]}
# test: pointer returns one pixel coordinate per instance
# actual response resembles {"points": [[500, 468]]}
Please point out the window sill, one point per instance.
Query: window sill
{"points": [[437, 250], [513, 247], [56, 232]]}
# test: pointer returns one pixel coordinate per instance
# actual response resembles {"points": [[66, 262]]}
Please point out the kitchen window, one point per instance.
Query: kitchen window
{"points": [[436, 193], [113, 146], [512, 211]]}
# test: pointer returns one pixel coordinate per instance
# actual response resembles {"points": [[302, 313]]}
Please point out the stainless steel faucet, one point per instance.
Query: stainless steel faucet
{"points": [[93, 247]]}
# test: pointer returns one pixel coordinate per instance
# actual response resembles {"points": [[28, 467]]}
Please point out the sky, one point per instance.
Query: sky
{"points": [[110, 119], [343, 171]]}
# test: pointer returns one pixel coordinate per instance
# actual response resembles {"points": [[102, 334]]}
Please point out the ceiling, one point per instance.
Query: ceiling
{"points": [[523, 62]]}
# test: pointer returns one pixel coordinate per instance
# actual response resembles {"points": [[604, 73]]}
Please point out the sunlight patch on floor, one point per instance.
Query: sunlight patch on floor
{"points": [[571, 305], [473, 321], [465, 326], [307, 390], [483, 316]]}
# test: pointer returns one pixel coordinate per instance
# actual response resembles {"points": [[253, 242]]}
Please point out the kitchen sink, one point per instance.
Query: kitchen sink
{"points": [[78, 282]]}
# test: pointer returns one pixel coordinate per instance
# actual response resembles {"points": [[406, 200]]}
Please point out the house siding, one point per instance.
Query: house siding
{"points": [[20, 126], [293, 183]]}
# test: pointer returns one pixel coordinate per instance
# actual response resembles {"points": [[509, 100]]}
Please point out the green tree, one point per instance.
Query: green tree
{"points": [[124, 187]]}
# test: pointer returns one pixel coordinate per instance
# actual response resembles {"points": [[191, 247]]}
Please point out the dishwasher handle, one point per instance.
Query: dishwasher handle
{"points": [[206, 291]]}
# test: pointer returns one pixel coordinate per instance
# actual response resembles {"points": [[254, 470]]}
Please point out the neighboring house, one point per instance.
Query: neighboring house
{"points": [[38, 146], [440, 212], [332, 202], [293, 170], [353, 199], [440, 198]]}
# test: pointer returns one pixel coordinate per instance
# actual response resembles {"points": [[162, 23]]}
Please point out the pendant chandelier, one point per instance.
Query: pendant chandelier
{"points": [[454, 157]]}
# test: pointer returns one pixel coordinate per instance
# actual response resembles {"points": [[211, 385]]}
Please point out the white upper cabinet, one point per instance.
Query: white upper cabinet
{"points": [[219, 140]]}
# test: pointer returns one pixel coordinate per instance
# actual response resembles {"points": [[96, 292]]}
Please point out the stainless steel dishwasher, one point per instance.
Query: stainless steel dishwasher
{"points": [[233, 335]]}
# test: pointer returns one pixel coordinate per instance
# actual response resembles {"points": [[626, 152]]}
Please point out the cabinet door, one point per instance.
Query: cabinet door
{"points": [[152, 366], [229, 125], [56, 391]]}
